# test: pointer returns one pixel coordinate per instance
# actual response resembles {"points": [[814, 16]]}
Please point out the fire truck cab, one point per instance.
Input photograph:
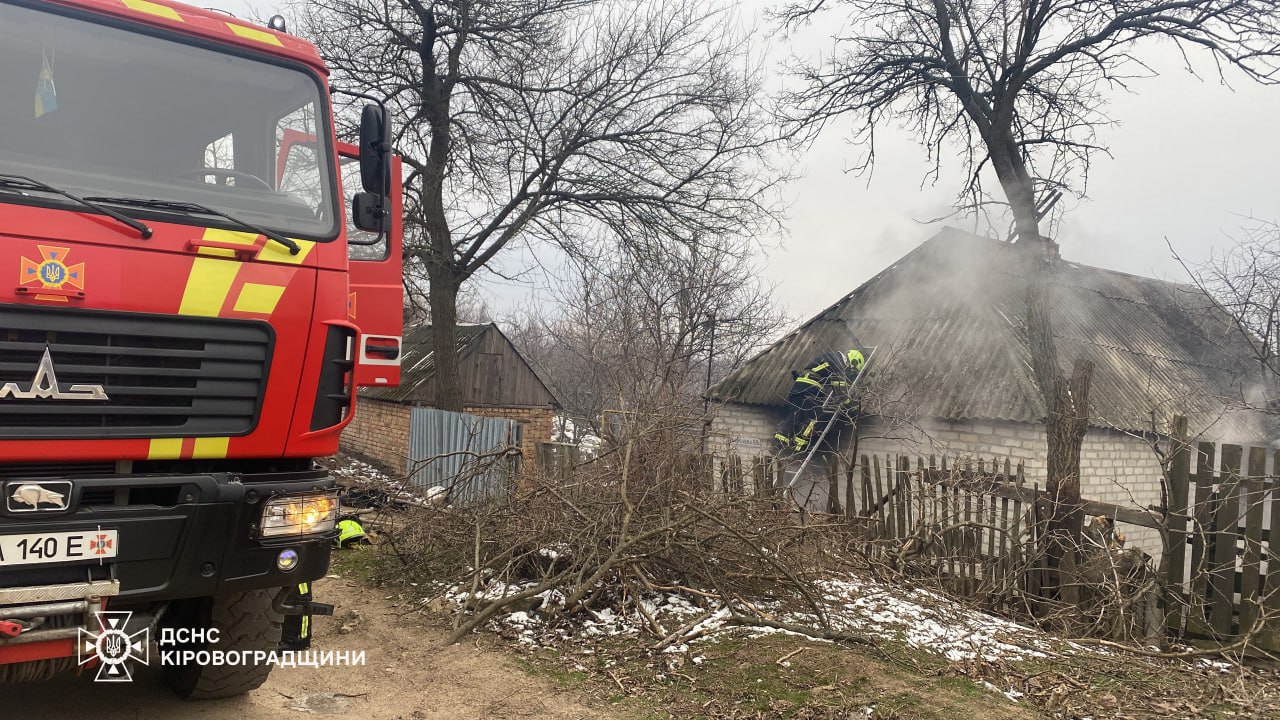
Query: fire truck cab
{"points": [[199, 276]]}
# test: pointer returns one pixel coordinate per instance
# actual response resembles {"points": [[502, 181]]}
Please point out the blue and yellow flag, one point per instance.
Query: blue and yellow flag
{"points": [[46, 93]]}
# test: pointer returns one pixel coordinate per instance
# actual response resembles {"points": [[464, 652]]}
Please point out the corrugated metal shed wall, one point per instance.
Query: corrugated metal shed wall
{"points": [[948, 321], [444, 449]]}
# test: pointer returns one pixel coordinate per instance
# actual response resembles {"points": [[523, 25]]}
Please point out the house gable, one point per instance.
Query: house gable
{"points": [[493, 374]]}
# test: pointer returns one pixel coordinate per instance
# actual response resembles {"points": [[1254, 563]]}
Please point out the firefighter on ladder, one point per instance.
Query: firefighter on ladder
{"points": [[816, 396]]}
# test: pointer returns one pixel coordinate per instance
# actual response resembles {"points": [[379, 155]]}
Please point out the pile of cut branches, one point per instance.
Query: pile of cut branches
{"points": [[627, 526]]}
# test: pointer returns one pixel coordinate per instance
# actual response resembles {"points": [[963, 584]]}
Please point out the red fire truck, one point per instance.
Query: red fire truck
{"points": [[192, 300]]}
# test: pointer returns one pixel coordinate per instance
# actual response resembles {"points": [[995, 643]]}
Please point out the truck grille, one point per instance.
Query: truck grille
{"points": [[54, 470], [164, 375]]}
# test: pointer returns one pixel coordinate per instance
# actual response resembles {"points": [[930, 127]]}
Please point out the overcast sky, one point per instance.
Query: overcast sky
{"points": [[1190, 157]]}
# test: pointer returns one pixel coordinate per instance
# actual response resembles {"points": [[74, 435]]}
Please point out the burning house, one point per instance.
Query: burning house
{"points": [[952, 373]]}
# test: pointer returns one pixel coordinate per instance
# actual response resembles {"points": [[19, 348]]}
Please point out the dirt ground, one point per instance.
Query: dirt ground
{"points": [[407, 676]]}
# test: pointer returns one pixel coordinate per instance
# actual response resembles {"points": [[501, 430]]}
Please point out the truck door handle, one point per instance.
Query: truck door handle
{"points": [[385, 352]]}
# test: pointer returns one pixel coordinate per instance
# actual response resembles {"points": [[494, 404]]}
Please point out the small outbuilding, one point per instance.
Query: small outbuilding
{"points": [[497, 383]]}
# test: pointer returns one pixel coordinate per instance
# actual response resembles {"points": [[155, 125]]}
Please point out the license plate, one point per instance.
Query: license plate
{"points": [[58, 547]]}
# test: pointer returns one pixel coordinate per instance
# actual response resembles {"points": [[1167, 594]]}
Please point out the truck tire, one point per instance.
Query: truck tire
{"points": [[245, 622]]}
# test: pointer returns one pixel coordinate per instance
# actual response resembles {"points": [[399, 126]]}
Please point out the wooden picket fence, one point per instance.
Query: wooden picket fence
{"points": [[973, 523], [976, 526], [1224, 544]]}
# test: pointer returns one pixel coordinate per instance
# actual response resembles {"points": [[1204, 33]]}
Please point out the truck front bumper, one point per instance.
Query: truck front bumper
{"points": [[179, 536]]}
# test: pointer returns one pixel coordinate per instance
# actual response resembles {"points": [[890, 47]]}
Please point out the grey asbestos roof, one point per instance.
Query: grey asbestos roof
{"points": [[948, 323]]}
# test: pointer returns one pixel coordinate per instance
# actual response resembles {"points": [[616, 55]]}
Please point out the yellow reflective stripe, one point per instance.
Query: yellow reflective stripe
{"points": [[211, 448], [306, 626], [808, 429], [217, 252], [207, 286], [249, 33], [153, 9], [819, 368], [165, 449], [227, 237], [808, 381], [275, 252], [304, 588], [230, 237], [260, 299]]}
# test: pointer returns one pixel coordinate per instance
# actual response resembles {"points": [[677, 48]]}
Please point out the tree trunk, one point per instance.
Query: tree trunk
{"points": [[1019, 189], [444, 335], [1066, 401], [1066, 404], [1067, 423]]}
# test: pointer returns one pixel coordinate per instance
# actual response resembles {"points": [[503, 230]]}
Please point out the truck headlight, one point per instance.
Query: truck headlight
{"points": [[296, 515]]}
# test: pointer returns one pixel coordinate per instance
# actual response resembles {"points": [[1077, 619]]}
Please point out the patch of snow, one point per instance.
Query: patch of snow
{"points": [[555, 552], [354, 469], [928, 621], [1011, 694], [923, 620], [1218, 665], [565, 430], [520, 619]]}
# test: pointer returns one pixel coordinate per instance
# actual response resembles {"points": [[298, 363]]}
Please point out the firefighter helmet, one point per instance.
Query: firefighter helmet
{"points": [[350, 532]]}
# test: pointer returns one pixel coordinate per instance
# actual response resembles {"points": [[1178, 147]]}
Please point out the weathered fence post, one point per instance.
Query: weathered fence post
{"points": [[1250, 575], [1270, 639], [833, 485], [1173, 574], [1226, 518]]}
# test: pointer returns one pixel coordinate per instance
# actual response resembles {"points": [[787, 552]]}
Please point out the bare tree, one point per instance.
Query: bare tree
{"points": [[636, 331], [1018, 86], [471, 306], [545, 121], [1015, 85], [1244, 280]]}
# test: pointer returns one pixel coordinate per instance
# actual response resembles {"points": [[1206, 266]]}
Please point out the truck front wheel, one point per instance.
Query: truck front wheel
{"points": [[244, 622]]}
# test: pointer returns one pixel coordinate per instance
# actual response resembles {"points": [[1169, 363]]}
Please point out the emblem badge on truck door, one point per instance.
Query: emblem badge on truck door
{"points": [[45, 385], [37, 495]]}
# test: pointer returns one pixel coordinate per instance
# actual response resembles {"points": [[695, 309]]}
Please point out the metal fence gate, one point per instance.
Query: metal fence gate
{"points": [[472, 457]]}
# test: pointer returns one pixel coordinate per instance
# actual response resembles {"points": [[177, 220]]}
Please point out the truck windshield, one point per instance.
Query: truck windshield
{"points": [[102, 111]]}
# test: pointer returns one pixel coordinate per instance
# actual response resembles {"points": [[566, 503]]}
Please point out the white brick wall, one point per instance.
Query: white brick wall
{"points": [[1115, 467], [743, 430]]}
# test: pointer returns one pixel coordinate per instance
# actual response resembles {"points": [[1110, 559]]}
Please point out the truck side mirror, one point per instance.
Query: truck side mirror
{"points": [[369, 213], [375, 150]]}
